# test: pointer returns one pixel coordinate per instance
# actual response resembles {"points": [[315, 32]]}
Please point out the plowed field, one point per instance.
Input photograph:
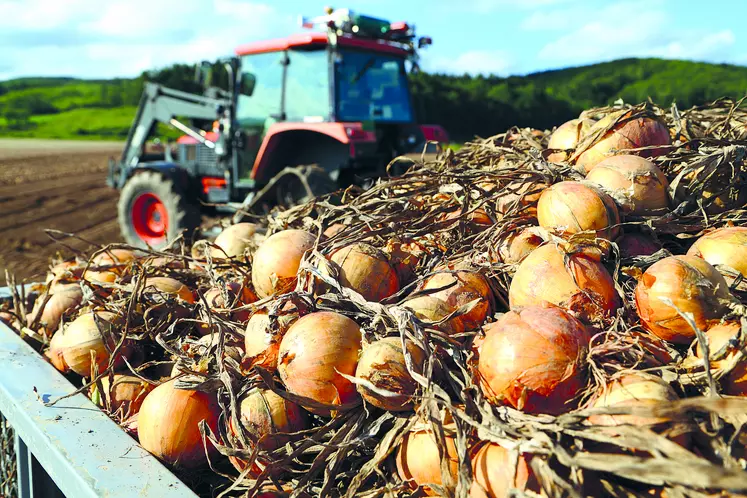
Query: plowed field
{"points": [[48, 184]]}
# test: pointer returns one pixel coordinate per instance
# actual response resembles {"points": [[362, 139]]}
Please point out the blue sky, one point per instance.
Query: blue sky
{"points": [[106, 38]]}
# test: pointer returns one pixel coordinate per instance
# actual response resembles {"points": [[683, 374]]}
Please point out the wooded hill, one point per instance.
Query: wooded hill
{"points": [[465, 105]]}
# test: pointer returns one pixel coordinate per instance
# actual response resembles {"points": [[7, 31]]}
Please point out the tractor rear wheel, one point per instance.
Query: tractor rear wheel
{"points": [[153, 211]]}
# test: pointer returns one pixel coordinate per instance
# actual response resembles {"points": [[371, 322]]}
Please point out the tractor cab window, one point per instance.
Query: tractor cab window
{"points": [[307, 94], [265, 102], [372, 87]]}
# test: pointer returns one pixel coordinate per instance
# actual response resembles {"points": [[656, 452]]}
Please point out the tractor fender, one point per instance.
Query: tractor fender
{"points": [[328, 145], [178, 174]]}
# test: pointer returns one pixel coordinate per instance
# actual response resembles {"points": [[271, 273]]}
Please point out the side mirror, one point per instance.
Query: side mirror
{"points": [[248, 82]]}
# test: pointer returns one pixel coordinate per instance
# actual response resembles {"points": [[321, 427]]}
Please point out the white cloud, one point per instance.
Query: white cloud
{"points": [[602, 36], [89, 38], [472, 62]]}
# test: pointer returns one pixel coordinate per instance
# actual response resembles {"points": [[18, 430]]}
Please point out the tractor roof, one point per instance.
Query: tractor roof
{"points": [[309, 40]]}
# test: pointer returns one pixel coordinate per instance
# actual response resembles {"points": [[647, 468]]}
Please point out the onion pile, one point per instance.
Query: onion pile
{"points": [[382, 364], [623, 136], [632, 390], [534, 359], [367, 271], [725, 247], [493, 476], [459, 287], [314, 352], [723, 337], [692, 285], [419, 462], [636, 184], [566, 138], [168, 424], [277, 260], [583, 287], [573, 207]]}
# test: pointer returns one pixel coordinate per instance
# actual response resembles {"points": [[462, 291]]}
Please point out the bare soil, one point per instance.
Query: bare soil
{"points": [[48, 184]]}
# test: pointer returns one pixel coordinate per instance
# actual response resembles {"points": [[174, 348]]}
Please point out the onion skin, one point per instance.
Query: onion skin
{"points": [[635, 245], [543, 278], [735, 382], [168, 424], [262, 342], [277, 260], [114, 257], [533, 359], [81, 336], [627, 134], [475, 221], [571, 207], [514, 246], [367, 271], [492, 473], [434, 309], [382, 363], [566, 137], [234, 241], [404, 258], [692, 284], [725, 246], [265, 415], [125, 395], [526, 194], [632, 390], [637, 184], [63, 299], [55, 353], [238, 296], [313, 351], [463, 287], [418, 460], [170, 286]]}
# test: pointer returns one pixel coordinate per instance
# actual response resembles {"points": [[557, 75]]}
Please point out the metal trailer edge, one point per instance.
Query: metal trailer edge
{"points": [[71, 447]]}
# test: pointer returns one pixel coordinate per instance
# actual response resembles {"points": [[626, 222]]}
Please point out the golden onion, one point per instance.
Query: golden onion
{"points": [[277, 260], [725, 247], [571, 207], [367, 271], [566, 137]]}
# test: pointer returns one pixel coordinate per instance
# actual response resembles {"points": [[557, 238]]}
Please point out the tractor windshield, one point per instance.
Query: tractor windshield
{"points": [[372, 87]]}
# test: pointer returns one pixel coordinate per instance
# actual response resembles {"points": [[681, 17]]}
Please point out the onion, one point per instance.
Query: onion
{"points": [[262, 339], [523, 195], [333, 230], [168, 424], [367, 271], [476, 220], [313, 353], [170, 286], [725, 246], [93, 331], [238, 296], [634, 245], [632, 390], [267, 417], [627, 134], [234, 241], [434, 309], [383, 365], [64, 299], [66, 270], [571, 207], [719, 337], [515, 245], [493, 473], [584, 287], [55, 352], [100, 277], [693, 285], [277, 260], [637, 184], [118, 257], [459, 288], [566, 137], [533, 359], [125, 395], [418, 459]]}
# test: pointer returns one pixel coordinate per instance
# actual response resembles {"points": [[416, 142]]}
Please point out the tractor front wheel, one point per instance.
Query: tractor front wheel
{"points": [[153, 211]]}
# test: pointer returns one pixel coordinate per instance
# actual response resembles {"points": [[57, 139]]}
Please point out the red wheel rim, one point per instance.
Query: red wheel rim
{"points": [[150, 219]]}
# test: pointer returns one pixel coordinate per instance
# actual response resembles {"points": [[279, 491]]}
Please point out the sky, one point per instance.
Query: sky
{"points": [[122, 38]]}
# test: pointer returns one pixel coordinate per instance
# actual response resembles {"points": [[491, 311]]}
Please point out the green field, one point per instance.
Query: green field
{"points": [[467, 106]]}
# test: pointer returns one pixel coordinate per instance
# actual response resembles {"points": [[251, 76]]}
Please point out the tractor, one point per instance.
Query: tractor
{"points": [[301, 116]]}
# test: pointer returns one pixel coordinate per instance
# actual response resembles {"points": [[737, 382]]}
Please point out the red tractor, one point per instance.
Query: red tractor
{"points": [[336, 102]]}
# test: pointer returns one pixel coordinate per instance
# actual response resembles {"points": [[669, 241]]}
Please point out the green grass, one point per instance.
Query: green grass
{"points": [[101, 124]]}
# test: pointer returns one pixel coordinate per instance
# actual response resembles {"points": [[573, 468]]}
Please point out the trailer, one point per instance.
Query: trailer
{"points": [[68, 449]]}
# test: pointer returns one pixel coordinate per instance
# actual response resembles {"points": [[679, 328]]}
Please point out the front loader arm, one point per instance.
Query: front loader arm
{"points": [[161, 104]]}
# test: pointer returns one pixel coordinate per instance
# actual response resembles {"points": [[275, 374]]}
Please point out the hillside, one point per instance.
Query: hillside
{"points": [[465, 105]]}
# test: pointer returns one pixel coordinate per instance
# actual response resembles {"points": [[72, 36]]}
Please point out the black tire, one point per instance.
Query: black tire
{"points": [[181, 215], [292, 192]]}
